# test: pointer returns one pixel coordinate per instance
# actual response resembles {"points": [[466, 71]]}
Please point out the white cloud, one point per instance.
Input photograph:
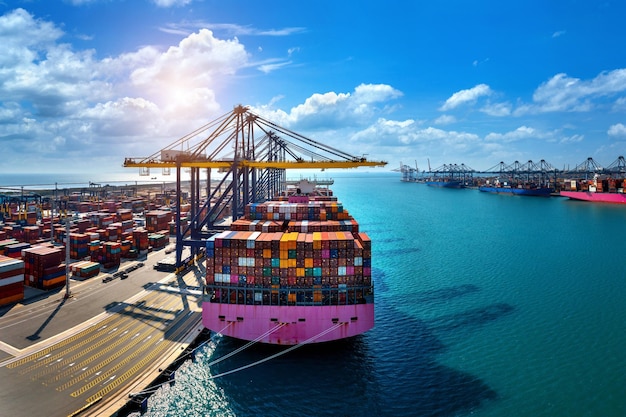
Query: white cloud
{"points": [[466, 96], [617, 130], [497, 109], [445, 119], [408, 132], [171, 3], [562, 93], [333, 110], [229, 29], [521, 133], [572, 139], [267, 68], [558, 33]]}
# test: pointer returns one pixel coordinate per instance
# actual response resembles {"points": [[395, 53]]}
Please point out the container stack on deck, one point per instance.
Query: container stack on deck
{"points": [[11, 280], [292, 245]]}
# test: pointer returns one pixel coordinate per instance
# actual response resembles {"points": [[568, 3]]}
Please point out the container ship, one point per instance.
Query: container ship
{"points": [[597, 190], [445, 183], [292, 270], [526, 189]]}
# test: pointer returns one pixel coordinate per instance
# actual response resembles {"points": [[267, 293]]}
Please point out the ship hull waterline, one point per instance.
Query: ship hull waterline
{"points": [[288, 325], [533, 192], [445, 184], [614, 198]]}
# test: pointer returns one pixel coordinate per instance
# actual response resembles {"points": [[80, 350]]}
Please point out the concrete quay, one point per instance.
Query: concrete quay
{"points": [[85, 354]]}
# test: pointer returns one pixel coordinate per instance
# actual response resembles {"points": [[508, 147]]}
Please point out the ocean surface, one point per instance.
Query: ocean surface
{"points": [[486, 305], [12, 182]]}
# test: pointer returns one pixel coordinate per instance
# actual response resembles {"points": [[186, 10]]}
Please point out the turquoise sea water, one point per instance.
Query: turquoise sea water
{"points": [[486, 305]]}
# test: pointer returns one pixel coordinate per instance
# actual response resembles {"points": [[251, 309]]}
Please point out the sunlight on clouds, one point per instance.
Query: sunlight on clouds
{"points": [[184, 75]]}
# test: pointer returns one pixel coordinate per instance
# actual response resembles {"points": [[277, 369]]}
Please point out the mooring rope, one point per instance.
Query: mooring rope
{"points": [[309, 340], [154, 388], [247, 345]]}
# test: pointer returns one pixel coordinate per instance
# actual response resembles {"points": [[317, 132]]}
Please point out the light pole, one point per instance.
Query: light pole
{"points": [[68, 294]]}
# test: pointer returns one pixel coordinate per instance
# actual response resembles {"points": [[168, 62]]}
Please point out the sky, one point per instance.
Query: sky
{"points": [[87, 83]]}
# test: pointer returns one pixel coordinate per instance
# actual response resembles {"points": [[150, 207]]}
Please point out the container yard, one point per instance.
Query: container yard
{"points": [[102, 234]]}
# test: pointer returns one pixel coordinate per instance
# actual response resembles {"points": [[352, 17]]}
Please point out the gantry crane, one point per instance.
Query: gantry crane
{"points": [[253, 153]]}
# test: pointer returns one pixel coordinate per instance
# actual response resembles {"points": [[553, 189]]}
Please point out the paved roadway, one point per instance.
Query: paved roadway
{"points": [[58, 356]]}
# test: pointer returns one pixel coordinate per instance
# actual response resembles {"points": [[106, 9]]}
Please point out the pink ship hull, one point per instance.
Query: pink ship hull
{"points": [[249, 322], [616, 198]]}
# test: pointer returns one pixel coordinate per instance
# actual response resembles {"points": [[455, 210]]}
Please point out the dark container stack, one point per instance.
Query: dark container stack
{"points": [[11, 280], [44, 267], [158, 220]]}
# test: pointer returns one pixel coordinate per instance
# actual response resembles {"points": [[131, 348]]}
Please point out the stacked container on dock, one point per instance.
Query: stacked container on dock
{"points": [[44, 267], [14, 231], [11, 280], [31, 234], [157, 220], [6, 242], [15, 250], [79, 245], [111, 254], [158, 240], [140, 240], [298, 262], [85, 269]]}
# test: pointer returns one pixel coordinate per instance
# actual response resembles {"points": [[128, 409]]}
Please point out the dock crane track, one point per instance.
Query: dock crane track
{"points": [[89, 359]]}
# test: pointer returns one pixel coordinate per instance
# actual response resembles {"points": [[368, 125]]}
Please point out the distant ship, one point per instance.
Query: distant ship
{"points": [[444, 183], [597, 190], [293, 270], [516, 189]]}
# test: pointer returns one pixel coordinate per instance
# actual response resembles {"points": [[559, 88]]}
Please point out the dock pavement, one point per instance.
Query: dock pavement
{"points": [[84, 354]]}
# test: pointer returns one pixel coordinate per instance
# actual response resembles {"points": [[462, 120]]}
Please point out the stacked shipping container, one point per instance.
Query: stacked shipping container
{"points": [[158, 220], [43, 267], [11, 280], [85, 269], [285, 246]]}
